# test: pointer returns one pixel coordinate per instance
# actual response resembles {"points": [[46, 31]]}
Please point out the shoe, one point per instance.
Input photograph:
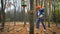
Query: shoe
{"points": [[44, 30]]}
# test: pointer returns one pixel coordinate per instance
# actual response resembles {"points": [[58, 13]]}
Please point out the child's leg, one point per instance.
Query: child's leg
{"points": [[42, 21], [37, 23], [37, 26]]}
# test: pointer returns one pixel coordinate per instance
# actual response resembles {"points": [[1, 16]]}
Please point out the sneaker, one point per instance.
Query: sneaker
{"points": [[44, 30]]}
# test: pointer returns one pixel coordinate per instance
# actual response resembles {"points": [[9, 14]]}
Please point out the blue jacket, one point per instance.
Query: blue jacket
{"points": [[41, 12]]}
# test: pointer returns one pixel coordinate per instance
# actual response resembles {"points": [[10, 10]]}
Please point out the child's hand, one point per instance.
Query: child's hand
{"points": [[40, 16]]}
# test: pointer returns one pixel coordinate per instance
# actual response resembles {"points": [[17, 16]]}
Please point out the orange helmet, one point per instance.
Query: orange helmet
{"points": [[38, 7]]}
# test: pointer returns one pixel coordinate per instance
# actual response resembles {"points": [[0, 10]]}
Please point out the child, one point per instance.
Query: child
{"points": [[40, 18]]}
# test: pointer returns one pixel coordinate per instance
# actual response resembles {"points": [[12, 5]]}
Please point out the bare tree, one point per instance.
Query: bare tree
{"points": [[3, 15], [31, 17]]}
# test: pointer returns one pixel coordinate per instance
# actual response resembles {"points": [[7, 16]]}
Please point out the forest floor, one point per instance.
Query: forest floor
{"points": [[19, 29]]}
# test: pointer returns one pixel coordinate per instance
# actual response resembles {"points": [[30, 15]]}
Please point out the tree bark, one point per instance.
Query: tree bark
{"points": [[3, 16], [31, 17]]}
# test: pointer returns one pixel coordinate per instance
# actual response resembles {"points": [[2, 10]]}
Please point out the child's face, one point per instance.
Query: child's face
{"points": [[38, 9]]}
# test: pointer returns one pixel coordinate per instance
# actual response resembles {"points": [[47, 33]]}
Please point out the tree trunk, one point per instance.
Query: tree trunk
{"points": [[31, 17], [3, 15]]}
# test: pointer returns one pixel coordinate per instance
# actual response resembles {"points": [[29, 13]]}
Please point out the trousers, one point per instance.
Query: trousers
{"points": [[38, 21]]}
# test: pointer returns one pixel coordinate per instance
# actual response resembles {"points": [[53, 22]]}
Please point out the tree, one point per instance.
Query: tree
{"points": [[31, 17], [0, 16], [3, 15]]}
